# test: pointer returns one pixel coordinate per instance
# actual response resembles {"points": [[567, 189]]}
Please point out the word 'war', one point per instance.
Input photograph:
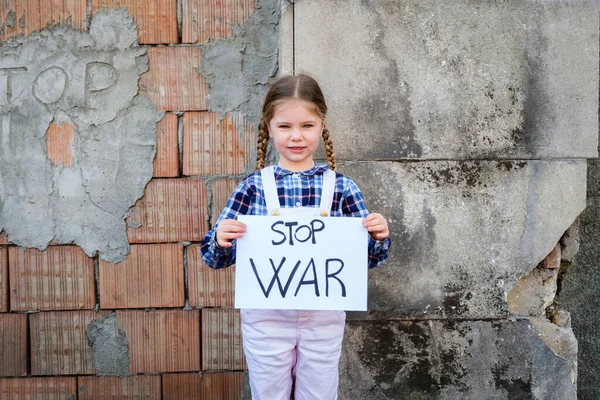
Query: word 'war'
{"points": [[310, 268]]}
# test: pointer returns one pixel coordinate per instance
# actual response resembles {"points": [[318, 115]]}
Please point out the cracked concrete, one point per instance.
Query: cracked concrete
{"points": [[89, 80]]}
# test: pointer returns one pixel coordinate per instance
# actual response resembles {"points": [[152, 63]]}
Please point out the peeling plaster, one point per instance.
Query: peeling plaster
{"points": [[90, 80], [110, 346], [238, 71]]}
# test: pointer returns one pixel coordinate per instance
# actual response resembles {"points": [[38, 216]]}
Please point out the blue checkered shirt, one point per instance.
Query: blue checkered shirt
{"points": [[295, 189]]}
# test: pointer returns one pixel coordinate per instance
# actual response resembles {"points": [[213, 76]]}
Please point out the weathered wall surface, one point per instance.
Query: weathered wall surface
{"points": [[88, 80], [468, 124], [108, 152], [579, 289]]}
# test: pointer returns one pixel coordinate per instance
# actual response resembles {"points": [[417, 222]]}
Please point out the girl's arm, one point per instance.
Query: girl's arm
{"points": [[353, 205], [239, 202]]}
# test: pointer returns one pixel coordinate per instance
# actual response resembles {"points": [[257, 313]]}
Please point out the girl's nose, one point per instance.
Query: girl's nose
{"points": [[296, 134]]}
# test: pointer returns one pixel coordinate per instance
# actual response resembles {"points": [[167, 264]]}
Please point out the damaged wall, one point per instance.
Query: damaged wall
{"points": [[89, 81], [467, 125], [578, 290], [113, 155]]}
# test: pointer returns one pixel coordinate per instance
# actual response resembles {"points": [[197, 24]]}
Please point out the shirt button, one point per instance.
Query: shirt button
{"points": [[298, 204], [296, 175]]}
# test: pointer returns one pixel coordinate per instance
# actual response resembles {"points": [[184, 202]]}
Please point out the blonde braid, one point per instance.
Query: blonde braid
{"points": [[329, 149], [261, 147]]}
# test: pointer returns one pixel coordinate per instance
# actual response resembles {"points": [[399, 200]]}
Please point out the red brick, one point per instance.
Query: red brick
{"points": [[172, 210], [166, 163], [552, 260], [3, 280], [59, 278], [131, 387], [208, 287], [212, 146], [205, 386], [150, 277], [222, 339], [3, 238], [221, 190], [53, 388], [13, 344], [212, 19], [59, 140], [172, 81], [156, 19], [162, 340], [34, 15], [59, 343]]}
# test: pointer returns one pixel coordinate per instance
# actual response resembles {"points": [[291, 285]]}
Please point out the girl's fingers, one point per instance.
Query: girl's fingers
{"points": [[377, 228], [229, 230]]}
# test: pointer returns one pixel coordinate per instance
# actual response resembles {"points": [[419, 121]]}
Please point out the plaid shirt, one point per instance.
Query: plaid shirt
{"points": [[295, 189]]}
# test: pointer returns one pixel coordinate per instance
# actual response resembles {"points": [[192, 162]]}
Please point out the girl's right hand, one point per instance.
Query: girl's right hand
{"points": [[228, 230]]}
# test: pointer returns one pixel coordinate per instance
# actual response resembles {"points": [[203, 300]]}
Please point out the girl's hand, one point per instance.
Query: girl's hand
{"points": [[228, 230], [377, 226]]}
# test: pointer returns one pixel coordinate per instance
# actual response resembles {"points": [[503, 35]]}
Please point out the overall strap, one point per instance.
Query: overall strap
{"points": [[327, 192], [270, 190]]}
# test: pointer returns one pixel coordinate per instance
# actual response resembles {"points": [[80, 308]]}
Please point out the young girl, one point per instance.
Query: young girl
{"points": [[283, 345]]}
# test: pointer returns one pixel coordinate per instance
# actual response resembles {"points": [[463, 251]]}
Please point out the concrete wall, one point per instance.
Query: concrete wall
{"points": [[123, 131], [468, 124]]}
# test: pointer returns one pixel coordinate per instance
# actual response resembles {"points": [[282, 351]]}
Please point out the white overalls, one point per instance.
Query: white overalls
{"points": [[283, 344]]}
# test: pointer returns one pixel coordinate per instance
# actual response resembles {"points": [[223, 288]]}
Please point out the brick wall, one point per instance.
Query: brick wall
{"points": [[184, 336]]}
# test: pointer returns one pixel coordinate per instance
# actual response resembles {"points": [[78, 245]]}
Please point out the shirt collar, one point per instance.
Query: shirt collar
{"points": [[318, 168]]}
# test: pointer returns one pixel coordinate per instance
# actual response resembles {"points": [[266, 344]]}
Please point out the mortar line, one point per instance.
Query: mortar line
{"points": [[186, 288], [28, 350], [179, 13], [8, 288], [97, 282], [180, 142], [417, 160], [88, 15], [446, 319]]}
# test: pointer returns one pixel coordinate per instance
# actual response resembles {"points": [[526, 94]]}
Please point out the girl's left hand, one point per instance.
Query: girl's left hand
{"points": [[377, 226]]}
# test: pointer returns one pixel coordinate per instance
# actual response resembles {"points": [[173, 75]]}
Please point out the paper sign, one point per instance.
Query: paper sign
{"points": [[302, 263]]}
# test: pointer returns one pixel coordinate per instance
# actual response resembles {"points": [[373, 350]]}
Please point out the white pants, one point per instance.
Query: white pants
{"points": [[281, 345]]}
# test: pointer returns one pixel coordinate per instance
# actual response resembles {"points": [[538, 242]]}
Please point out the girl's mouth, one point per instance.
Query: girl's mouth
{"points": [[296, 149]]}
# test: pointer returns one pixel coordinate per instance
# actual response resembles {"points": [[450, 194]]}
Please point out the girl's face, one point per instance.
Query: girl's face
{"points": [[296, 131]]}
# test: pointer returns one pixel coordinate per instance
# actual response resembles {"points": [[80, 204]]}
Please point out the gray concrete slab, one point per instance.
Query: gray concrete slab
{"points": [[464, 232], [427, 79], [449, 360]]}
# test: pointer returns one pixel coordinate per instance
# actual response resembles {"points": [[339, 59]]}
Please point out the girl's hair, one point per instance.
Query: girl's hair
{"points": [[299, 87]]}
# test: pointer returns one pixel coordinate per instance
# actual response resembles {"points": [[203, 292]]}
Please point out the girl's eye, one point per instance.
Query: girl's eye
{"points": [[283, 126], [308, 126]]}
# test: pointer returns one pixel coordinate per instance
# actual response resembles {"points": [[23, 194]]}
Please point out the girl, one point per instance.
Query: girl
{"points": [[283, 345]]}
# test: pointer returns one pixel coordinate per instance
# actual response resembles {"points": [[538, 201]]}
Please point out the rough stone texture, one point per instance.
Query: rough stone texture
{"points": [[451, 360], [251, 58], [533, 293], [472, 79], [433, 271], [110, 346], [579, 293], [570, 242], [89, 80]]}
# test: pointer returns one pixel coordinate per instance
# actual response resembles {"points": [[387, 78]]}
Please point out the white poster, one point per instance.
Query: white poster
{"points": [[302, 263]]}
